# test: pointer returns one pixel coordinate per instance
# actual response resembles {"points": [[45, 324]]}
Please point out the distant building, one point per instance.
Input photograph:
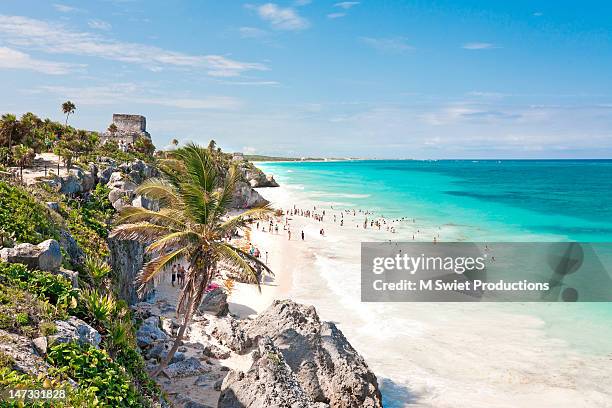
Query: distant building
{"points": [[238, 156], [129, 128]]}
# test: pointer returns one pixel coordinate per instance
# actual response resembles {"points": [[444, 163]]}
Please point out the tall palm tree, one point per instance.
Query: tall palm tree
{"points": [[68, 108], [192, 226]]}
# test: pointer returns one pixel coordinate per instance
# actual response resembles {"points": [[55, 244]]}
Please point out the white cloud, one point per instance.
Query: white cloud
{"points": [[99, 25], [478, 46], [63, 8], [282, 18], [395, 44], [346, 4], [252, 32], [57, 39], [538, 14], [132, 93], [13, 59], [336, 15]]}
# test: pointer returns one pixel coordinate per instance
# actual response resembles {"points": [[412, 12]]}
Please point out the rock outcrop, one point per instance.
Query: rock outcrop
{"points": [[324, 363], [46, 256], [270, 382], [24, 355], [245, 197], [74, 329], [126, 260]]}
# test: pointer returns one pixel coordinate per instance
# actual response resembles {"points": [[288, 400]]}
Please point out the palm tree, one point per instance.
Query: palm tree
{"points": [[191, 225], [8, 127], [68, 108], [174, 142]]}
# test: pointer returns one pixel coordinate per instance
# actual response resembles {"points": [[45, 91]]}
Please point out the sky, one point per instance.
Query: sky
{"points": [[370, 78]]}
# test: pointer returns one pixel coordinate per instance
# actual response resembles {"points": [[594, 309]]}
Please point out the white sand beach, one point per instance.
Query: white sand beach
{"points": [[424, 354]]}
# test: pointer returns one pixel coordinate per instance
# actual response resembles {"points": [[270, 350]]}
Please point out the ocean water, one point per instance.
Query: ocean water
{"points": [[518, 200], [477, 355]]}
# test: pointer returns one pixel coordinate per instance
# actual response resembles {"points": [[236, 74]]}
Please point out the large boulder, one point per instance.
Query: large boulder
{"points": [[75, 329], [269, 382], [77, 181], [325, 364], [46, 256], [215, 302]]}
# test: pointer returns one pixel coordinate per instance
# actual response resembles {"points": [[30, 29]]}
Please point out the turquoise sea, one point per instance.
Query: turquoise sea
{"points": [[491, 200]]}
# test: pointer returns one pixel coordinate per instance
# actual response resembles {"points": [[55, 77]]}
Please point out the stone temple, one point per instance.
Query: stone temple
{"points": [[129, 128]]}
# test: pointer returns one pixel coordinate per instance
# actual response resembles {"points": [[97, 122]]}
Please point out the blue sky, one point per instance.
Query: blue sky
{"points": [[371, 78]]}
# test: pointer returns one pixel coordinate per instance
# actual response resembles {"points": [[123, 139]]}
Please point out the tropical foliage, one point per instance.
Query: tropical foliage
{"points": [[22, 218], [191, 226]]}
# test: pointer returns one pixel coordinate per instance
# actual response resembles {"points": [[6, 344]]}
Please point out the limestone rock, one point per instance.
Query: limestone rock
{"points": [[23, 353], [126, 259], [74, 329], [53, 205], [69, 244], [40, 343], [268, 383], [46, 256], [325, 364], [145, 202], [211, 350], [215, 302], [149, 332], [245, 197], [186, 368], [230, 332]]}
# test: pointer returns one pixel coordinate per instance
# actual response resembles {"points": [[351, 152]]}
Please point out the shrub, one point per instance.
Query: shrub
{"points": [[54, 288], [19, 311], [98, 309], [24, 218], [97, 269], [88, 227], [6, 361], [94, 369]]}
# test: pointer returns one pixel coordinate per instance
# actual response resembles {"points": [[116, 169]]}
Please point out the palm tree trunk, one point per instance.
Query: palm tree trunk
{"points": [[179, 337]]}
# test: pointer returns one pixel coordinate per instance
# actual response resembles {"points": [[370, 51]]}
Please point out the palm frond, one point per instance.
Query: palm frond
{"points": [[142, 232], [243, 219], [224, 196], [241, 261], [156, 265], [169, 217], [181, 238], [160, 190]]}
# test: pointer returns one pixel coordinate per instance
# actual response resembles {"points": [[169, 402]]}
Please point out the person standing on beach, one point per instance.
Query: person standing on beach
{"points": [[289, 234], [302, 235]]}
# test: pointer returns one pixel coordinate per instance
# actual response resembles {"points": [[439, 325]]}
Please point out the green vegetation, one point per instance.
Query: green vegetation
{"points": [[195, 197], [94, 369], [22, 218], [29, 303], [55, 289]]}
